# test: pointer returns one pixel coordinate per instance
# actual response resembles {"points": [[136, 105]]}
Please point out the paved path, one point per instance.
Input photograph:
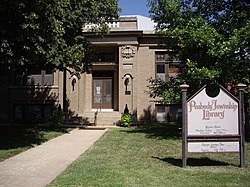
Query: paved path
{"points": [[40, 165]]}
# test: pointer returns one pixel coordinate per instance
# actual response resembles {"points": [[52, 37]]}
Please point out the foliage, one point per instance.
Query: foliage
{"points": [[126, 119], [212, 40], [168, 91], [57, 119], [48, 33], [191, 75]]}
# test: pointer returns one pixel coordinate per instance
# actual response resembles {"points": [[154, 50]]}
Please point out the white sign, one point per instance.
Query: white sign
{"points": [[208, 147], [212, 115]]}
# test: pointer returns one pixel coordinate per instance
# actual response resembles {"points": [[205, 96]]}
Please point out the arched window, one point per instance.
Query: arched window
{"points": [[73, 83]]}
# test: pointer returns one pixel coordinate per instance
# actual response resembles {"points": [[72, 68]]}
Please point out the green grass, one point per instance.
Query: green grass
{"points": [[151, 156], [16, 139]]}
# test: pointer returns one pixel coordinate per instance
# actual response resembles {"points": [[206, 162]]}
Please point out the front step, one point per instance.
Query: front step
{"points": [[102, 118]]}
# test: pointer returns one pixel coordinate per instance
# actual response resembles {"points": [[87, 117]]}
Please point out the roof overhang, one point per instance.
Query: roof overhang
{"points": [[117, 38]]}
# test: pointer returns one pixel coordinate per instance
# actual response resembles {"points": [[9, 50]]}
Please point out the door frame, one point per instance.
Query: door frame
{"points": [[103, 75]]}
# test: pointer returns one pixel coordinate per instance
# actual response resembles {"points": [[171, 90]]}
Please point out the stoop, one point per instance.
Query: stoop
{"points": [[102, 117]]}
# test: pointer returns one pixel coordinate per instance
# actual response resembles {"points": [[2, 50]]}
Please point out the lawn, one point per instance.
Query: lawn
{"points": [[151, 156], [16, 139]]}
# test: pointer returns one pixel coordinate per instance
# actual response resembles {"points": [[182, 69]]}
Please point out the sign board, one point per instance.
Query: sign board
{"points": [[213, 147], [212, 122], [212, 116]]}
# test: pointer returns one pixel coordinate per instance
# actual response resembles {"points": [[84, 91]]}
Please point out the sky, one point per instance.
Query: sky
{"points": [[134, 7]]}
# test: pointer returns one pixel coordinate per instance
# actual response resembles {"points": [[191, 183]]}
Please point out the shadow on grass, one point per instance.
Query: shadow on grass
{"points": [[15, 136], [165, 130], [193, 161], [158, 130]]}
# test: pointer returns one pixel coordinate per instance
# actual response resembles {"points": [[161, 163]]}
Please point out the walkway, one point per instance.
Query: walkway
{"points": [[40, 165]]}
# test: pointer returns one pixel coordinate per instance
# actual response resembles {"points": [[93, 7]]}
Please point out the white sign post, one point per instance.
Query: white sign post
{"points": [[213, 124]]}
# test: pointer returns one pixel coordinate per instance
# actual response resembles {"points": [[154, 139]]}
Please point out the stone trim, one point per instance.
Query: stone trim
{"points": [[127, 51]]}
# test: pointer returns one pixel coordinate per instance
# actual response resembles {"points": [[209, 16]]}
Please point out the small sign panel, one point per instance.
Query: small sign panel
{"points": [[208, 116], [213, 147]]}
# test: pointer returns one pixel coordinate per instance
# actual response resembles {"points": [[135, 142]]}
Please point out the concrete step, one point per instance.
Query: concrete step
{"points": [[102, 118], [75, 121]]}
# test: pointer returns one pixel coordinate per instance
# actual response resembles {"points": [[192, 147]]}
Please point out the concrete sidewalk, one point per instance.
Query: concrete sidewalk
{"points": [[40, 165]]}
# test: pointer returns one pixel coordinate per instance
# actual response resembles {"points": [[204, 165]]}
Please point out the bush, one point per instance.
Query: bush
{"points": [[57, 119], [126, 120]]}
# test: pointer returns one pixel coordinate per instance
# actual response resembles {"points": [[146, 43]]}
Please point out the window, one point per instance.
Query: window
{"points": [[48, 77], [105, 57], [166, 65], [160, 68], [33, 112], [161, 71], [34, 77], [174, 66], [160, 113], [160, 57]]}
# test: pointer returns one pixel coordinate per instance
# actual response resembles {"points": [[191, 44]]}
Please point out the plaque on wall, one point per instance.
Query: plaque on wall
{"points": [[128, 51]]}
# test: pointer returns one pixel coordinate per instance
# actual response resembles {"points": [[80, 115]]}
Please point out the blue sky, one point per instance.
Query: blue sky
{"points": [[134, 7]]}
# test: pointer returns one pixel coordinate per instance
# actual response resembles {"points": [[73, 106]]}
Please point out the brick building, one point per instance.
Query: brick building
{"points": [[125, 59]]}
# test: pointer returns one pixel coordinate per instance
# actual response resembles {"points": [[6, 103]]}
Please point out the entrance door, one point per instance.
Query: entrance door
{"points": [[102, 93]]}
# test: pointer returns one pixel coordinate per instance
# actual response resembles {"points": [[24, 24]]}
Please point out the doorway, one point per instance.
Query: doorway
{"points": [[102, 92]]}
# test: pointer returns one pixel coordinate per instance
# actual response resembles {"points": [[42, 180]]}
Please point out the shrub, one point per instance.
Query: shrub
{"points": [[57, 119], [126, 120]]}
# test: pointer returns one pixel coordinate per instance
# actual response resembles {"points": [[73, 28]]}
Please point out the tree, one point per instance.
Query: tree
{"points": [[212, 41], [48, 33]]}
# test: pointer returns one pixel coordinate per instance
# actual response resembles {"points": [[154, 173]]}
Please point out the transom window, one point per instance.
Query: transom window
{"points": [[160, 57]]}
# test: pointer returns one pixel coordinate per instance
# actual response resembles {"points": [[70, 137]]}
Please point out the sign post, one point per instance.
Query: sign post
{"points": [[184, 88], [241, 123]]}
